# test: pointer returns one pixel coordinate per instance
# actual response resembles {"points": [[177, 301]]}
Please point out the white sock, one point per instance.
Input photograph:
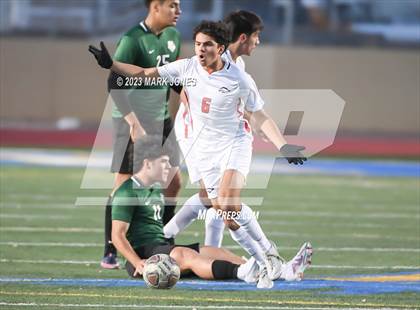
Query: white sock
{"points": [[241, 236], [214, 229], [244, 269], [247, 220], [184, 217]]}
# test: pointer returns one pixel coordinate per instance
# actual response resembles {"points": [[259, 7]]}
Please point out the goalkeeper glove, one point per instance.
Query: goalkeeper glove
{"points": [[293, 153], [102, 55]]}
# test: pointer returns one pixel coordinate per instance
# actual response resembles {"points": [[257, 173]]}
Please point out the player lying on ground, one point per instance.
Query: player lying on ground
{"points": [[220, 92], [137, 230]]}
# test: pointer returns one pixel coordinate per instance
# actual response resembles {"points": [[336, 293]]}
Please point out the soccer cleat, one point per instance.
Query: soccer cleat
{"points": [[249, 271], [275, 263], [110, 261], [253, 274], [264, 280], [294, 269]]}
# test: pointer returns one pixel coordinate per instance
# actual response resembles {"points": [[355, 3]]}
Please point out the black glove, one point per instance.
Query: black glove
{"points": [[293, 153], [102, 56]]}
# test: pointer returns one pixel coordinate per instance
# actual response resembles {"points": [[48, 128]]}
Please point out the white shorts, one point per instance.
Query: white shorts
{"points": [[237, 155], [183, 132], [190, 158]]}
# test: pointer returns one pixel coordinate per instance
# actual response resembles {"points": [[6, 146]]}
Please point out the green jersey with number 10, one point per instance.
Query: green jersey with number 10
{"points": [[142, 208], [141, 47]]}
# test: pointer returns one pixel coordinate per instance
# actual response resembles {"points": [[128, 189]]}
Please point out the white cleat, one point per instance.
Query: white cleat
{"points": [[264, 280], [294, 269], [253, 274], [275, 263]]}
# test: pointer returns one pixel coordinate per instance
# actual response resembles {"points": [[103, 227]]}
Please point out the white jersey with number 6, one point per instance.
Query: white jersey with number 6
{"points": [[183, 122], [217, 100], [213, 117]]}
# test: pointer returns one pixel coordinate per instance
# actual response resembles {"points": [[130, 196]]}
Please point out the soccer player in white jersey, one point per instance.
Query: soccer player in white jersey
{"points": [[245, 28], [218, 93]]}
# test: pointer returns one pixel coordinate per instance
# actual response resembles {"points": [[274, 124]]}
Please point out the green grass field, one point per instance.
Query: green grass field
{"points": [[356, 225]]}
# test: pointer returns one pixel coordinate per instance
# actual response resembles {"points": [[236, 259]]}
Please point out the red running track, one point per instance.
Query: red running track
{"points": [[343, 146]]}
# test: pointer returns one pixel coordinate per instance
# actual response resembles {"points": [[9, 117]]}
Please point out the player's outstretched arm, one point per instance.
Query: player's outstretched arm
{"points": [[104, 60], [261, 121], [293, 153], [119, 239]]}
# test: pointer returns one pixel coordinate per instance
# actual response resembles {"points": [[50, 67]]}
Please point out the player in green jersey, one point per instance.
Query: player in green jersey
{"points": [[137, 229], [141, 109]]}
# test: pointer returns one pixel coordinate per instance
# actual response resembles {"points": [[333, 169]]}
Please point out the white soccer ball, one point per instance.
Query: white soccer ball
{"points": [[161, 271]]}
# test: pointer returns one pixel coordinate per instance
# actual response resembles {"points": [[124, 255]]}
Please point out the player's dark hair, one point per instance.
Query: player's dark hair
{"points": [[239, 22], [149, 147], [217, 30], [147, 3]]}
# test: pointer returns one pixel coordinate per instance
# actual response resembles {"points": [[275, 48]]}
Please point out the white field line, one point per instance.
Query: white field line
{"points": [[259, 201], [320, 236], [253, 201], [308, 207], [340, 249], [38, 197], [326, 224], [88, 262], [329, 199], [52, 244], [49, 206], [360, 212], [125, 306], [344, 204], [34, 216], [327, 236], [49, 261], [262, 222], [53, 229], [391, 215], [307, 235], [384, 214], [365, 267], [345, 183], [333, 196], [230, 247]]}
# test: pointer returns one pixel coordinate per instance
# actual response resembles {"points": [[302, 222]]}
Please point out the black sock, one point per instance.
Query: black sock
{"points": [[109, 247], [168, 212], [224, 270]]}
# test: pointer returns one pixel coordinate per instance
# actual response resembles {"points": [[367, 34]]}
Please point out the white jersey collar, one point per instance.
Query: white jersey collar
{"points": [[229, 56], [226, 66]]}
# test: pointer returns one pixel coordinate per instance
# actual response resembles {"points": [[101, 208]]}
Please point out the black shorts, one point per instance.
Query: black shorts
{"points": [[145, 252], [122, 159]]}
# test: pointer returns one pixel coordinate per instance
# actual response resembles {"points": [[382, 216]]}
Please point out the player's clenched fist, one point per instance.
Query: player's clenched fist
{"points": [[102, 55], [293, 153]]}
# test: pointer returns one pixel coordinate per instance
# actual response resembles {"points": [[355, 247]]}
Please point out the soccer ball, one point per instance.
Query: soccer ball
{"points": [[161, 271]]}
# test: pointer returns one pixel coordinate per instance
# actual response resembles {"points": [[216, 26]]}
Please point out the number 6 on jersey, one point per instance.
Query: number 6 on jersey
{"points": [[205, 105]]}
